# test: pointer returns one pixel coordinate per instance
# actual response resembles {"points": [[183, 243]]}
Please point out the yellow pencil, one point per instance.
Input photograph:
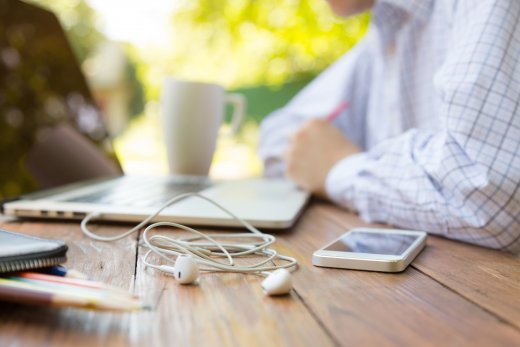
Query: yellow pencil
{"points": [[30, 293]]}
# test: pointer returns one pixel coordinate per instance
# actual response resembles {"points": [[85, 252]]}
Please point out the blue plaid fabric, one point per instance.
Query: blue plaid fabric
{"points": [[434, 93]]}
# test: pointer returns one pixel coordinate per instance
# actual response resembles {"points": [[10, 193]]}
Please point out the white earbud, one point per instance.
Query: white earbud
{"points": [[185, 270], [277, 283]]}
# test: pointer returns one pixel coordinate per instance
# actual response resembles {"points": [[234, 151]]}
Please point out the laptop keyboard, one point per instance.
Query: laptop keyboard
{"points": [[143, 192]]}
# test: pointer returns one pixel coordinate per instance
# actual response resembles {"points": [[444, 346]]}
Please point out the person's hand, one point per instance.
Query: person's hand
{"points": [[312, 152]]}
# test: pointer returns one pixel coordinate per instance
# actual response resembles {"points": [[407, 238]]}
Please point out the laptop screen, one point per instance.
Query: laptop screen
{"points": [[51, 132]]}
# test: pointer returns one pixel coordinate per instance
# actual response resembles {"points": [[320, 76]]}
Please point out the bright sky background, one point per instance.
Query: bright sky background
{"points": [[140, 22]]}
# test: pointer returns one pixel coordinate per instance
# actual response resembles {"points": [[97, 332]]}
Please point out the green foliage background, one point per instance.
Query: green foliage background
{"points": [[238, 43], [80, 22], [241, 43]]}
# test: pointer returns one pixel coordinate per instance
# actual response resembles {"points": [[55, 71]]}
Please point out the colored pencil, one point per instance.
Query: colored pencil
{"points": [[67, 288], [20, 294], [36, 293], [70, 281]]}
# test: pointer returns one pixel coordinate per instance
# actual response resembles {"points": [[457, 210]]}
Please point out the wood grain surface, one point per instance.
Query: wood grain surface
{"points": [[493, 281], [454, 294], [409, 308]]}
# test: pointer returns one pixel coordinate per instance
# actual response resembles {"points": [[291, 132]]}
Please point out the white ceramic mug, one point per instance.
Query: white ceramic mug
{"points": [[192, 113]]}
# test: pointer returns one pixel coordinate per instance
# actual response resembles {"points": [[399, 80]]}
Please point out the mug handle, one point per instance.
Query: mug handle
{"points": [[239, 104]]}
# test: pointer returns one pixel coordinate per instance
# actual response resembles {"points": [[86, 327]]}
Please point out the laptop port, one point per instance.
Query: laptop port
{"points": [[26, 213]]}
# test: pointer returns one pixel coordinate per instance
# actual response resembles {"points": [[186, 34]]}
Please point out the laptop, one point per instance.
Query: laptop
{"points": [[56, 157]]}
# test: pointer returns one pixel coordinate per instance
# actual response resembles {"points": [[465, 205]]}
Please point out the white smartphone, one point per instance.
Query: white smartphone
{"points": [[387, 250]]}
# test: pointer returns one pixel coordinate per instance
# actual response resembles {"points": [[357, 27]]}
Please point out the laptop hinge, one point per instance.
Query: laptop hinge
{"points": [[5, 201]]}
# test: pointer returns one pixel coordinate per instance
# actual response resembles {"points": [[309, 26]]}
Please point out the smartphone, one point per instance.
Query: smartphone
{"points": [[386, 250]]}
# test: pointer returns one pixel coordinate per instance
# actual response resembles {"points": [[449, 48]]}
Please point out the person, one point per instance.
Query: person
{"points": [[430, 139]]}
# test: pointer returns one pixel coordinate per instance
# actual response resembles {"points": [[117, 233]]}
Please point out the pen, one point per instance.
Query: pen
{"points": [[62, 271], [337, 111]]}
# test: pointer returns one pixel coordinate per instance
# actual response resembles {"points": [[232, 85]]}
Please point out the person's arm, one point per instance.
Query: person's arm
{"points": [[463, 181], [346, 80]]}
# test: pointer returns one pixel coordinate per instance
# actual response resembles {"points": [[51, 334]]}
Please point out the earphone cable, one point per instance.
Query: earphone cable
{"points": [[204, 252]]}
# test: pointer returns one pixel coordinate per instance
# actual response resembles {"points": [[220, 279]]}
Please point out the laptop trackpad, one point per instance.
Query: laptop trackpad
{"points": [[255, 199]]}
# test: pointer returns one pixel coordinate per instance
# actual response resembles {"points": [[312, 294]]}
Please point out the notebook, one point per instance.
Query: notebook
{"points": [[56, 158], [19, 252]]}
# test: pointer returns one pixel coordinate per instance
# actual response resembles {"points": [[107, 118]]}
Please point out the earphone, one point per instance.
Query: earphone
{"points": [[198, 253], [185, 270]]}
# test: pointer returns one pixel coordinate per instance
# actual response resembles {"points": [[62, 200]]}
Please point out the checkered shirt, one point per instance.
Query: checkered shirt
{"points": [[434, 93]]}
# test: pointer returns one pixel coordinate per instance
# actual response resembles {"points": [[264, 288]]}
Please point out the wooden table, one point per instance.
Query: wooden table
{"points": [[454, 294]]}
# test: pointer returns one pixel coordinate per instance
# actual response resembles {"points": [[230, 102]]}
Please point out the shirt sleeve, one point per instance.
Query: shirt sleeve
{"points": [[461, 181], [335, 85]]}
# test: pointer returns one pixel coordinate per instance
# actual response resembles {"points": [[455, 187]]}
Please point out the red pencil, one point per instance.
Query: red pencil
{"points": [[337, 111]]}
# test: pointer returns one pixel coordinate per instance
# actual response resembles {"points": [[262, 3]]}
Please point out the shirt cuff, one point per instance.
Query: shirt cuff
{"points": [[342, 175]]}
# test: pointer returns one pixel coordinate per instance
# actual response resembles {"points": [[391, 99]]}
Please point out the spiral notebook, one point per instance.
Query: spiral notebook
{"points": [[20, 252]]}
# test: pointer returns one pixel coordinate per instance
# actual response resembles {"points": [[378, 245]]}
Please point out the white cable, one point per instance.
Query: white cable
{"points": [[203, 247]]}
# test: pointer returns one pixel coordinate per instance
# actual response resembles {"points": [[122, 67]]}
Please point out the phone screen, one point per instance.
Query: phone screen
{"points": [[373, 243]]}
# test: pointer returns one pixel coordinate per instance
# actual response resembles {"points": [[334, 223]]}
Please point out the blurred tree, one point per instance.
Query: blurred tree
{"points": [[250, 42], [81, 24]]}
